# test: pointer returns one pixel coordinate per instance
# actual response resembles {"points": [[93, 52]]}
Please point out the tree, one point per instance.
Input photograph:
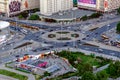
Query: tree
{"points": [[84, 18], [20, 16], [117, 67], [46, 73], [112, 70], [80, 69], [34, 17], [88, 76], [87, 67], [118, 27], [75, 3], [95, 15], [102, 75], [118, 10], [24, 14], [49, 20]]}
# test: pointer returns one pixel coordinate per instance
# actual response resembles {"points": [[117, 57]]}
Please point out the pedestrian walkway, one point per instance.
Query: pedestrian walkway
{"points": [[101, 68]]}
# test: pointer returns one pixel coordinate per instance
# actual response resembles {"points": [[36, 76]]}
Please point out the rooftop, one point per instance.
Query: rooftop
{"points": [[4, 24]]}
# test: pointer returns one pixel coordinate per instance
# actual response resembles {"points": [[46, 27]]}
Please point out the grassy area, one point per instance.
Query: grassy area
{"points": [[7, 65], [38, 77], [94, 61], [88, 59], [83, 63], [12, 74], [22, 70]]}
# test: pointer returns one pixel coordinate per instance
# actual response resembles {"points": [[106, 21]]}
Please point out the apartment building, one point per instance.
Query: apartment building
{"points": [[48, 7]]}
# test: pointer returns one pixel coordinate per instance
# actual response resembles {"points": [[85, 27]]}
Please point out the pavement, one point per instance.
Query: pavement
{"points": [[101, 68]]}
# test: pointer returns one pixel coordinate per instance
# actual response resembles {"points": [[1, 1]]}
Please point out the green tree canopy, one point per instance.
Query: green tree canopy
{"points": [[95, 15], [118, 27], [34, 17], [118, 10], [84, 18], [46, 73], [114, 69], [88, 76], [102, 75], [20, 16]]}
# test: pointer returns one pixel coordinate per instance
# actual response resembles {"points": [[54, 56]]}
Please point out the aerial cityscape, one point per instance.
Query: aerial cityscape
{"points": [[59, 39]]}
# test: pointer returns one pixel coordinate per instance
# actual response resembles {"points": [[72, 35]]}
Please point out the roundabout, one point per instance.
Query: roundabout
{"points": [[62, 36]]}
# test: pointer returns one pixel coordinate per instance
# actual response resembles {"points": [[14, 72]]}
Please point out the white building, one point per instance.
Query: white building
{"points": [[4, 31], [47, 7]]}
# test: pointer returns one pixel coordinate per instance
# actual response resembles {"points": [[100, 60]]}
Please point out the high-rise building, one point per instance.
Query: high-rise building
{"points": [[99, 5], [9, 7], [48, 7]]}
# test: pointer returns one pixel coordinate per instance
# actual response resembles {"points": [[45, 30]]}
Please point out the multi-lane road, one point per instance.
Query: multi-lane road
{"points": [[79, 27]]}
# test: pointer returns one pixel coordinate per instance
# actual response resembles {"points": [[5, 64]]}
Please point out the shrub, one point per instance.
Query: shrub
{"points": [[34, 17], [20, 16], [118, 27]]}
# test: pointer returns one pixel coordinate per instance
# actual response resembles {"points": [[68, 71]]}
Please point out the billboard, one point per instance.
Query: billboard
{"points": [[14, 5], [89, 3]]}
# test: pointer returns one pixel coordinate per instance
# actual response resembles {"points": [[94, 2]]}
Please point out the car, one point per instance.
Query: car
{"points": [[34, 50], [87, 35], [108, 25], [79, 41], [65, 45], [83, 38]]}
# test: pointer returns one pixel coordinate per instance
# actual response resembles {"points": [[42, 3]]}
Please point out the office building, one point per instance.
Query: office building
{"points": [[99, 5]]}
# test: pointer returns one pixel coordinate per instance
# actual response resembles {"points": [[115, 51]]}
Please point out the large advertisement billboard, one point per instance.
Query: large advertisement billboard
{"points": [[89, 3], [14, 5]]}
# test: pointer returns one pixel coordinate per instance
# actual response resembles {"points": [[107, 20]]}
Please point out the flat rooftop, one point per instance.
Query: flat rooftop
{"points": [[68, 14]]}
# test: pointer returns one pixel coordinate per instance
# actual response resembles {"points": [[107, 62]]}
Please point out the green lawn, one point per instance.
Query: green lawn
{"points": [[98, 61], [38, 77], [12, 74], [87, 59]]}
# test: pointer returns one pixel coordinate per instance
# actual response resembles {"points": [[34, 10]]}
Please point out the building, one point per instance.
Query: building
{"points": [[48, 7], [4, 31], [99, 5], [9, 7]]}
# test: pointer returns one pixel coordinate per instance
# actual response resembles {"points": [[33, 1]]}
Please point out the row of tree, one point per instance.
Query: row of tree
{"points": [[118, 10], [118, 28], [94, 15], [112, 71]]}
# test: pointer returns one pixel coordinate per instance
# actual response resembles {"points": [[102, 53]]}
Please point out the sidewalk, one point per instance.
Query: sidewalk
{"points": [[103, 46]]}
